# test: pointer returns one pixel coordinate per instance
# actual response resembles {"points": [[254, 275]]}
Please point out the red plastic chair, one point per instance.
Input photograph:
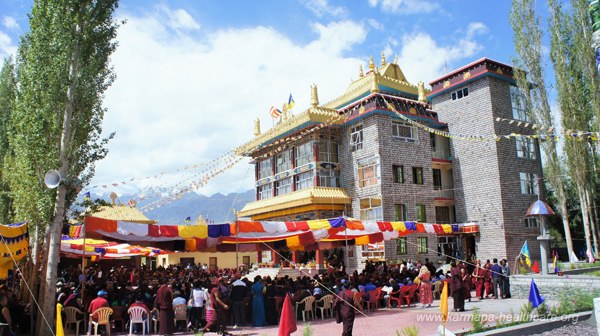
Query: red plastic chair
{"points": [[373, 299], [408, 298], [358, 300], [397, 297]]}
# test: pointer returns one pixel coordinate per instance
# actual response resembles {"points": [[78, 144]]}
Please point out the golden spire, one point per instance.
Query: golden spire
{"points": [[396, 59], [371, 64], [422, 97], [375, 83], [383, 59], [314, 96], [360, 72], [256, 129]]}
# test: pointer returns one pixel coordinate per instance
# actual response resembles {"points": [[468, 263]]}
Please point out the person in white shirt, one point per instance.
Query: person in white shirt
{"points": [[198, 298]]}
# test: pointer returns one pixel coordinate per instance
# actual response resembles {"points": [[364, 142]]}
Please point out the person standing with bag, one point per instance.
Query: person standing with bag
{"points": [[196, 302]]}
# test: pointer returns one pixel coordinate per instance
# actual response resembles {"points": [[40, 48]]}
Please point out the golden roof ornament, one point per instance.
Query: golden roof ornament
{"points": [[375, 83], [360, 72], [314, 96], [422, 97], [113, 196], [257, 127], [396, 59], [371, 64], [383, 63]]}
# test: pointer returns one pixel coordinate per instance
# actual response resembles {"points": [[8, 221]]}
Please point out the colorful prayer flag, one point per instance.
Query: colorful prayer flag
{"points": [[534, 295], [555, 263], [275, 113], [290, 103], [87, 196], [188, 219], [444, 303], [525, 253]]}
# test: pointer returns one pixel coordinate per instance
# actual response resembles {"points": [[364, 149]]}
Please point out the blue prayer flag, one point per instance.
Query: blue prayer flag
{"points": [[534, 295]]}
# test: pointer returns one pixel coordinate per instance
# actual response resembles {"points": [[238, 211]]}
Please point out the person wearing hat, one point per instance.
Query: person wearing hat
{"points": [[97, 303]]}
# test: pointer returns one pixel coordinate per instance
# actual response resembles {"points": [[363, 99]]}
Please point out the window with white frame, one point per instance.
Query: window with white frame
{"points": [[403, 131], [305, 180], [356, 138], [304, 154], [368, 172], [283, 161], [532, 222], [329, 178], [519, 104], [265, 168], [265, 191], [420, 213], [525, 147], [422, 244], [458, 94], [529, 183], [401, 246], [283, 186], [371, 209], [328, 151]]}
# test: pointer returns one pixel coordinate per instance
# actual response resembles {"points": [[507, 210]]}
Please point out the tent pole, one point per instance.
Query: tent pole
{"points": [[83, 263], [237, 246]]}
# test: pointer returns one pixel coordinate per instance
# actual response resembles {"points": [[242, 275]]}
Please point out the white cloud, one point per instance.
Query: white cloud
{"points": [[406, 6], [423, 59], [375, 24], [180, 100], [322, 7], [180, 19], [9, 22], [7, 47]]}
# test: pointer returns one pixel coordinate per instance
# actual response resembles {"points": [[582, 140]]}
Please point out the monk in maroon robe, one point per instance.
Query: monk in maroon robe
{"points": [[344, 310], [166, 314], [479, 276]]}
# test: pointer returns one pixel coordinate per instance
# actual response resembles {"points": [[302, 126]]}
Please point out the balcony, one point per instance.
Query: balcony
{"points": [[443, 195], [441, 154]]}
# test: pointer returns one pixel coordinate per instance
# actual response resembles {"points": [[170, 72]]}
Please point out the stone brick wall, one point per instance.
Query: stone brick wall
{"points": [[551, 285]]}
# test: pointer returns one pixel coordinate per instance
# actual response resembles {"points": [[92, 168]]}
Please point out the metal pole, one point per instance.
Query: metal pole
{"points": [[237, 246], [83, 263]]}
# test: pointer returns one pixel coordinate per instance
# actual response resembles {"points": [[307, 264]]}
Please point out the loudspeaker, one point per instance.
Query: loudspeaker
{"points": [[52, 179]]}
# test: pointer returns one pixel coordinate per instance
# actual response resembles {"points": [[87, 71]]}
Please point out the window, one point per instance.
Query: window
{"points": [[417, 175], [402, 131], [265, 191], [442, 215], [422, 243], [356, 138], [437, 179], [519, 104], [420, 213], [265, 168], [401, 247], [529, 183], [432, 141], [305, 180], [284, 161], [532, 222], [186, 261], [328, 151], [368, 172], [525, 148], [398, 172], [460, 93], [304, 154], [329, 178], [399, 212], [284, 186], [370, 209]]}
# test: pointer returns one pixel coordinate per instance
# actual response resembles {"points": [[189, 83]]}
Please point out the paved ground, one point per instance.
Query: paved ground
{"points": [[385, 322], [575, 329]]}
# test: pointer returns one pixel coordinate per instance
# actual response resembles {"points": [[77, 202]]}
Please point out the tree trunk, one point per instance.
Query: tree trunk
{"points": [[585, 217], [592, 213], [49, 290], [564, 213]]}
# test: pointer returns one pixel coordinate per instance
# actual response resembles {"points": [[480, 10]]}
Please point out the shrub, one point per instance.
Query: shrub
{"points": [[408, 331], [307, 330], [476, 321]]}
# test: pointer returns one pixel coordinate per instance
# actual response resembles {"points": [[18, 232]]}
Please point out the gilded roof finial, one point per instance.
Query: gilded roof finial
{"points": [[383, 59], [360, 72], [371, 64], [396, 59], [314, 96], [375, 83], [422, 97], [257, 127]]}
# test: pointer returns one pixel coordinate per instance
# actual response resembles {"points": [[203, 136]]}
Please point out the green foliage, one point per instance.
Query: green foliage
{"points": [[307, 330], [525, 314], [8, 93], [543, 310], [476, 321], [408, 331], [575, 300]]}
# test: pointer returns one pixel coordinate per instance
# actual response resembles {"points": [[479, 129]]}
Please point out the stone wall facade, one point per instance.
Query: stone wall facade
{"points": [[550, 286]]}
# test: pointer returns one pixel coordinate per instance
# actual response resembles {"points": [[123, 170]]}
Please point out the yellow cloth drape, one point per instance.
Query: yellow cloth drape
{"points": [[444, 303], [60, 331]]}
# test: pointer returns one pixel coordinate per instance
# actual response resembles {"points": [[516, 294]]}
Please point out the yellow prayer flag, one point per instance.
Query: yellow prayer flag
{"points": [[444, 303], [60, 331]]}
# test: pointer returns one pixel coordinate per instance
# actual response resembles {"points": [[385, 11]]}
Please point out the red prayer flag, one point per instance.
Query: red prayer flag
{"points": [[287, 323], [535, 267]]}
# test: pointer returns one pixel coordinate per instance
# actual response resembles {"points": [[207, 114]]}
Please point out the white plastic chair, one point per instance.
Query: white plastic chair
{"points": [[136, 316]]}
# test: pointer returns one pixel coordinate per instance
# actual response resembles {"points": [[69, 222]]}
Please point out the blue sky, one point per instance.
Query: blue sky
{"points": [[193, 75]]}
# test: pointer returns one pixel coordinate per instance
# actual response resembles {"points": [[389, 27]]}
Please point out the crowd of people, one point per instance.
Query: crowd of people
{"points": [[218, 298]]}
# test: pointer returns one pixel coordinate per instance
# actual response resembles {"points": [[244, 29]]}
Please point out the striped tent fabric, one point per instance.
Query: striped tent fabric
{"points": [[104, 249]]}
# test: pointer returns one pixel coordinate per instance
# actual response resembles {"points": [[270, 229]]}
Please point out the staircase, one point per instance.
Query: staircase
{"points": [[273, 273]]}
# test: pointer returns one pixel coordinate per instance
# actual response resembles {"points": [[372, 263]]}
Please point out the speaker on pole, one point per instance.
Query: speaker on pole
{"points": [[52, 179]]}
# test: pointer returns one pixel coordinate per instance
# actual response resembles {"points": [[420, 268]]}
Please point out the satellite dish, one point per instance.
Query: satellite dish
{"points": [[52, 179]]}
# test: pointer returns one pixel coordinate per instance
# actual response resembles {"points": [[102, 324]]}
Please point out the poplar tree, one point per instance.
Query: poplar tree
{"points": [[528, 46], [62, 71], [8, 87]]}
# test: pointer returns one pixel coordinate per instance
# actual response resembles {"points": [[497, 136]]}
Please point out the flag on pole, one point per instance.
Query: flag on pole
{"points": [[287, 323], [188, 219], [534, 295], [444, 303], [60, 331], [87, 196], [275, 112], [535, 268], [290, 103], [556, 263], [525, 253]]}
